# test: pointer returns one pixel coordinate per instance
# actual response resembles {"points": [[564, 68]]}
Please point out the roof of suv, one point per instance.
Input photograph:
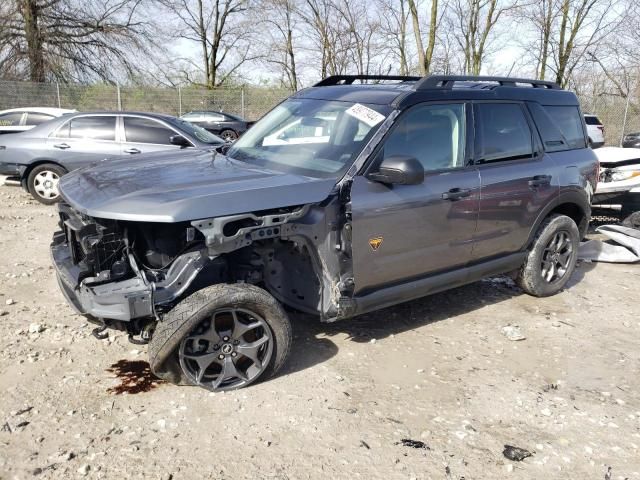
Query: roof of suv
{"points": [[409, 90]]}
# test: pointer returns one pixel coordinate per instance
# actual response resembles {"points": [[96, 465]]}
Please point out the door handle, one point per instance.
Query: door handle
{"points": [[132, 150], [540, 180], [456, 194], [62, 146]]}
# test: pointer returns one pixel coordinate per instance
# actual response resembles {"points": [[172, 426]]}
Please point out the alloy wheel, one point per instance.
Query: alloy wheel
{"points": [[228, 350], [557, 257]]}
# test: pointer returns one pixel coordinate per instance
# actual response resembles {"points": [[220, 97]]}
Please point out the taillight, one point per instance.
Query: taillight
{"points": [[601, 128]]}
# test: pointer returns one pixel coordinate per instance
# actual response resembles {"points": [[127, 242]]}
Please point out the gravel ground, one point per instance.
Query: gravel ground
{"points": [[440, 371]]}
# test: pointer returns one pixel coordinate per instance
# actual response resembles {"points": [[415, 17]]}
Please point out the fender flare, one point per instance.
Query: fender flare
{"points": [[576, 197]]}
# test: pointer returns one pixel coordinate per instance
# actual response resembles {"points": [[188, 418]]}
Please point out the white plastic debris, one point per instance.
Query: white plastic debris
{"points": [[627, 250], [513, 333]]}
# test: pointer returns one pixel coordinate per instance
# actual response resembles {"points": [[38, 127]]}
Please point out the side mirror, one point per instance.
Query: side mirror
{"points": [[179, 140], [399, 170]]}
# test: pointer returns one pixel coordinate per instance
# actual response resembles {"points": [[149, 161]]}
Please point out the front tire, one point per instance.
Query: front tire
{"points": [[222, 337], [42, 183], [552, 258]]}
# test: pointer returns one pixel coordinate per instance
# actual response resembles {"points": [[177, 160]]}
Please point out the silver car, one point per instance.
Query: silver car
{"points": [[39, 157], [17, 120]]}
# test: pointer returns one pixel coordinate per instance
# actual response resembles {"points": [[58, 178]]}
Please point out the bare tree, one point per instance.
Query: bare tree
{"points": [[424, 56], [474, 22], [221, 30], [281, 21], [543, 15], [394, 18], [583, 23], [362, 33], [71, 40]]}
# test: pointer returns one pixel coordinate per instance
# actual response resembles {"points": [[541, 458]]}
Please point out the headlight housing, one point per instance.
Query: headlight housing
{"points": [[620, 175]]}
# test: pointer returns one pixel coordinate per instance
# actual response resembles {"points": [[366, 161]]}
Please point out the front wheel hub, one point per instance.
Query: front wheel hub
{"points": [[228, 350]]}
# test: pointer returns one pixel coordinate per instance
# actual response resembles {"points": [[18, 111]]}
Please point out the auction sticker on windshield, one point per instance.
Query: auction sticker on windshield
{"points": [[365, 114]]}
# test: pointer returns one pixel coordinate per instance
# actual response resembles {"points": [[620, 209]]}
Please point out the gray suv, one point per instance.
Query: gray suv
{"points": [[38, 157], [346, 198]]}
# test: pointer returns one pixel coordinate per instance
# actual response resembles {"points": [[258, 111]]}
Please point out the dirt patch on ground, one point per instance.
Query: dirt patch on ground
{"points": [[429, 389]]}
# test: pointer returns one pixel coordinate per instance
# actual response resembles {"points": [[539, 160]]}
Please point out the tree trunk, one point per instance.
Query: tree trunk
{"points": [[433, 23], [416, 31], [30, 14], [292, 61], [562, 53]]}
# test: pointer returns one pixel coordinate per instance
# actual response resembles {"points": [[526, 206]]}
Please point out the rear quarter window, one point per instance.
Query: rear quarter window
{"points": [[569, 121]]}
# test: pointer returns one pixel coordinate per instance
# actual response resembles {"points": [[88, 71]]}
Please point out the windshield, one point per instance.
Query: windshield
{"points": [[198, 132], [316, 138]]}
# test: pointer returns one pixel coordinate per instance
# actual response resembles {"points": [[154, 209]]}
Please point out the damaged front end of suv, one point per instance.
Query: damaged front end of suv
{"points": [[125, 275], [195, 252]]}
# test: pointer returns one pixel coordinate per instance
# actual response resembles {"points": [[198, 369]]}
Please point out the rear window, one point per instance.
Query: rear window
{"points": [[592, 120], [10, 119], [569, 121]]}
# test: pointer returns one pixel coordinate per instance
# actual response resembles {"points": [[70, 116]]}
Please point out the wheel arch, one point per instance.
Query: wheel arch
{"points": [[573, 205]]}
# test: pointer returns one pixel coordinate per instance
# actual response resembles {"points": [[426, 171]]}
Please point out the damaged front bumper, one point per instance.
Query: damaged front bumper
{"points": [[122, 300]]}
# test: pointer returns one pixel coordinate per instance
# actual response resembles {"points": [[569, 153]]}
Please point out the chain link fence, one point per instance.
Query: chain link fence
{"points": [[619, 115], [248, 102]]}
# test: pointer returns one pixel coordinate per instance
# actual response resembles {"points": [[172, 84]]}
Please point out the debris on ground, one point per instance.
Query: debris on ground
{"points": [[513, 333], [407, 442], [516, 454], [36, 328], [624, 249]]}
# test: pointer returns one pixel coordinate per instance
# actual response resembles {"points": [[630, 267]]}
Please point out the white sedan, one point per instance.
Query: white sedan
{"points": [[619, 181], [20, 119]]}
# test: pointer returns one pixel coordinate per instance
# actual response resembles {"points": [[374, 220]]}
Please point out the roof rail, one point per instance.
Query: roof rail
{"points": [[349, 79], [448, 81]]}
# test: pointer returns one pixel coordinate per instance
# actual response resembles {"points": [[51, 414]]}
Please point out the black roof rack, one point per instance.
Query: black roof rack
{"points": [[448, 81], [349, 79]]}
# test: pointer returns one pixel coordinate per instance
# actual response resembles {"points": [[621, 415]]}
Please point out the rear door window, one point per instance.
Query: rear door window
{"points": [[592, 120], [502, 133], [145, 130], [569, 121], [90, 128]]}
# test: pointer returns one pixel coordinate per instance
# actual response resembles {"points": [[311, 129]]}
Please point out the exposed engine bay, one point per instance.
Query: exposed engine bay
{"points": [[133, 272]]}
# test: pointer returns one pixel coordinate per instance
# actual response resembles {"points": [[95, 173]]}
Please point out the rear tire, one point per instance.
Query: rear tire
{"points": [[42, 183], [222, 337], [228, 135], [552, 258]]}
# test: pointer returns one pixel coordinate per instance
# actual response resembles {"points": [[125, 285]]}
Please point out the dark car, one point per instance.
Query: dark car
{"points": [[631, 140], [344, 199], [227, 126], [38, 157]]}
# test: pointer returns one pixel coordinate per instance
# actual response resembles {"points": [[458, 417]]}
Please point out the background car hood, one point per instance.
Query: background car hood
{"points": [[616, 156], [182, 186]]}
